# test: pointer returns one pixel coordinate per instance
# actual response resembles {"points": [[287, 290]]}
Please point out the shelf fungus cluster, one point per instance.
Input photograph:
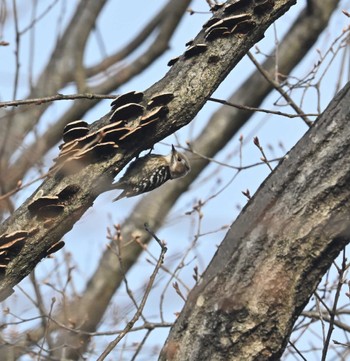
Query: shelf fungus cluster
{"points": [[130, 115], [236, 17], [47, 208], [11, 244]]}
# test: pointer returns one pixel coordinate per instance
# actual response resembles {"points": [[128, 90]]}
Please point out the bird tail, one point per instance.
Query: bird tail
{"points": [[119, 185], [121, 195]]}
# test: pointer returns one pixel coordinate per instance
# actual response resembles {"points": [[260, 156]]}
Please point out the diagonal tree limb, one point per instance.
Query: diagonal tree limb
{"points": [[172, 14]]}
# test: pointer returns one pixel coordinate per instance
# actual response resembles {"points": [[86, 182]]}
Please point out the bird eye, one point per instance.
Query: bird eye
{"points": [[179, 159]]}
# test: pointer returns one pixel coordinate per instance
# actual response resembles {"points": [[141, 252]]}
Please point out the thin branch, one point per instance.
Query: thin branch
{"points": [[41, 307], [141, 344], [47, 335], [268, 111], [263, 158], [239, 168], [39, 101], [117, 240], [296, 350], [39, 17], [325, 317], [138, 313], [334, 309], [17, 50], [280, 90]]}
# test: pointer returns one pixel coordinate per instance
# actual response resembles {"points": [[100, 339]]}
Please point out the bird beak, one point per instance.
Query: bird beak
{"points": [[173, 150]]}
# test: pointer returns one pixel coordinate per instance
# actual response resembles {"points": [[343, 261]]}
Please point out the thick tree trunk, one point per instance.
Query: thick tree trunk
{"points": [[275, 253]]}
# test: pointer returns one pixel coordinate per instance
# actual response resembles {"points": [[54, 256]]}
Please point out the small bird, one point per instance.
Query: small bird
{"points": [[151, 171]]}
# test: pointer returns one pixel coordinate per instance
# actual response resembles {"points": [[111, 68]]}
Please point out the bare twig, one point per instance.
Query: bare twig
{"points": [[263, 158], [280, 90], [138, 313], [252, 109], [41, 307], [296, 350], [38, 101], [334, 309], [117, 239]]}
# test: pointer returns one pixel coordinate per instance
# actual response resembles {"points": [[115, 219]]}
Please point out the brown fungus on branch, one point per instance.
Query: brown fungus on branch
{"points": [[127, 112], [68, 192], [172, 61], [85, 156], [127, 98], [160, 99], [75, 124], [264, 6], [130, 132], [32, 231], [235, 5], [154, 115], [54, 248], [104, 149], [14, 243], [229, 22], [216, 33], [113, 135], [75, 145], [210, 22], [114, 125], [48, 223], [38, 203], [195, 50], [50, 211], [6, 237], [64, 147], [74, 133], [216, 7], [244, 27], [11, 244]]}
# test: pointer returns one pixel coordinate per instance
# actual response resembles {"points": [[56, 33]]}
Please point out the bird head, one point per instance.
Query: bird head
{"points": [[179, 164]]}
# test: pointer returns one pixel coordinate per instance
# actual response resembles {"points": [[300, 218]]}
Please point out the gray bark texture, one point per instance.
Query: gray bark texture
{"points": [[275, 253]]}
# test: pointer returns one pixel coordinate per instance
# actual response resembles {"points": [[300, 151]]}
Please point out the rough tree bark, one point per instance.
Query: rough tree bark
{"points": [[275, 253]]}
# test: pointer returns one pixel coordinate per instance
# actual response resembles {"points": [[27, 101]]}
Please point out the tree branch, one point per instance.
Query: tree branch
{"points": [[172, 14]]}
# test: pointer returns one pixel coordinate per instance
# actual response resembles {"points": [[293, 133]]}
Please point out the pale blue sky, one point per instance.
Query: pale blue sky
{"points": [[117, 28]]}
